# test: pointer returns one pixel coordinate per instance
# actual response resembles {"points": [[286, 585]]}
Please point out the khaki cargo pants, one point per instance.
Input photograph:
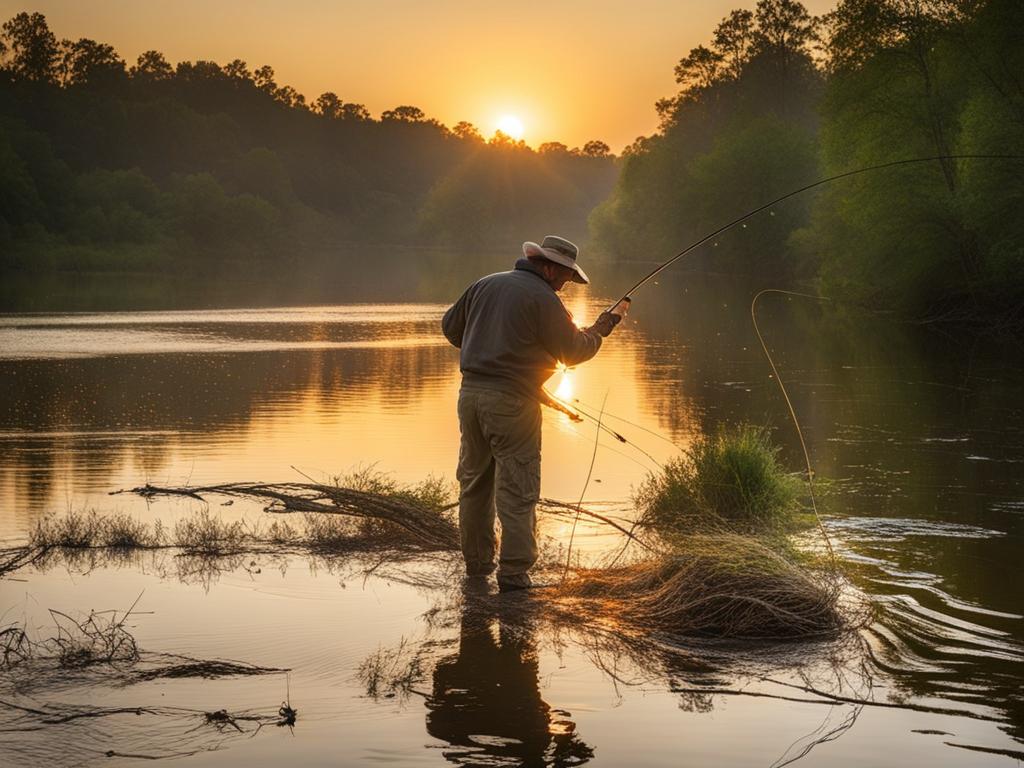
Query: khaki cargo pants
{"points": [[499, 472]]}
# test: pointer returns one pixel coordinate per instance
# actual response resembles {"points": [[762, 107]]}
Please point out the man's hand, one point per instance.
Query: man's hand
{"points": [[606, 323]]}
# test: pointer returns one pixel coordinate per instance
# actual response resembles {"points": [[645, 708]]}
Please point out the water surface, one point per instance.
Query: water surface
{"points": [[921, 437]]}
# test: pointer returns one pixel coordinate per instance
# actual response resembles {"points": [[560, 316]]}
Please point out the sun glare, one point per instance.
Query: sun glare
{"points": [[511, 126]]}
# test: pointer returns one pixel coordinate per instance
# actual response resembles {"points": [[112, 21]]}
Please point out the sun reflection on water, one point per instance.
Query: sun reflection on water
{"points": [[565, 388]]}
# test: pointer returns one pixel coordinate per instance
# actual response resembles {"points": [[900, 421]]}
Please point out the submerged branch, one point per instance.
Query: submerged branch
{"points": [[424, 527]]}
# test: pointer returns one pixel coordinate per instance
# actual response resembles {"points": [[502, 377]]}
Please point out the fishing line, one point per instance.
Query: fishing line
{"points": [[577, 414], [789, 404], [623, 454], [805, 188], [658, 435], [620, 438], [664, 265], [579, 504]]}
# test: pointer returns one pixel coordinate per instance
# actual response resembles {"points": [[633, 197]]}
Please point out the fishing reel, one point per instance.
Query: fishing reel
{"points": [[621, 307]]}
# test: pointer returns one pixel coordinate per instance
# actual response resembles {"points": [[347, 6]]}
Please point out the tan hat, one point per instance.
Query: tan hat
{"points": [[560, 251]]}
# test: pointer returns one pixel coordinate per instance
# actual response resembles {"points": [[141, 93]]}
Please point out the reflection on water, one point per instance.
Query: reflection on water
{"points": [[486, 701], [370, 326], [921, 438]]}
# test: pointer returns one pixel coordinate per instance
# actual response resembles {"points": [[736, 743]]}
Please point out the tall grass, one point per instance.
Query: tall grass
{"points": [[731, 481]]}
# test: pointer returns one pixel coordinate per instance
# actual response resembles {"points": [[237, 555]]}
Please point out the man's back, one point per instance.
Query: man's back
{"points": [[512, 329]]}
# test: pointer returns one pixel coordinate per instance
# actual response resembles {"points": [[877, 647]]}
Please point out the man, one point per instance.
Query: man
{"points": [[512, 329]]}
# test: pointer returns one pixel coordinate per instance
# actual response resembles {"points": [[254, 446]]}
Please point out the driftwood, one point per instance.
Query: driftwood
{"points": [[427, 528]]}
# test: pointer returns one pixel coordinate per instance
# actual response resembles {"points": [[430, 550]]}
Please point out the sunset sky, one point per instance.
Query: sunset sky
{"points": [[569, 70]]}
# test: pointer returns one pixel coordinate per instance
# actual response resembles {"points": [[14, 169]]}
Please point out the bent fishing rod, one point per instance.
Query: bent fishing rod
{"points": [[621, 306], [623, 302]]}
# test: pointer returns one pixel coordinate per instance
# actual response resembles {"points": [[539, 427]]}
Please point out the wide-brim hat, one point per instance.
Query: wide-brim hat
{"points": [[560, 251]]}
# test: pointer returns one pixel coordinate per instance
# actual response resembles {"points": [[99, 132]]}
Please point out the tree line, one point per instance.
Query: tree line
{"points": [[779, 98], [204, 167]]}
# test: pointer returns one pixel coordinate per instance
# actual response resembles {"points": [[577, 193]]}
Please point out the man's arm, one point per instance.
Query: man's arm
{"points": [[453, 324], [562, 339]]}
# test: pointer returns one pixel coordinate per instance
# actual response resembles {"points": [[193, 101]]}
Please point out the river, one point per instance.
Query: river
{"points": [[918, 434]]}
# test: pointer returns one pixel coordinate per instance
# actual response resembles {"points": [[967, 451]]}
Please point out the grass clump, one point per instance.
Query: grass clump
{"points": [[720, 585], [204, 533], [722, 564], [90, 530], [100, 638], [332, 532], [434, 493], [731, 481]]}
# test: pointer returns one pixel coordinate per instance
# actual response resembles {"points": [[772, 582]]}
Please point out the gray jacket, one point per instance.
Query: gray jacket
{"points": [[512, 329]]}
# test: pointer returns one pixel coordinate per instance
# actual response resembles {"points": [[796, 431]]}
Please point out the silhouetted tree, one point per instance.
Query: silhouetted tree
{"points": [[467, 131], [698, 71], [403, 114], [264, 79], [328, 105], [86, 61], [596, 148], [553, 148], [784, 31], [290, 97], [350, 111], [238, 70], [33, 47], [152, 67], [733, 42]]}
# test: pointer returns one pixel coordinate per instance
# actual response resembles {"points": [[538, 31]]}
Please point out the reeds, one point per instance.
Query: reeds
{"points": [[203, 533], [89, 529], [394, 672]]}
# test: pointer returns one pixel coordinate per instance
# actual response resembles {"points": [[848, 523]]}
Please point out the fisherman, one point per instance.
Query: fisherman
{"points": [[512, 330]]}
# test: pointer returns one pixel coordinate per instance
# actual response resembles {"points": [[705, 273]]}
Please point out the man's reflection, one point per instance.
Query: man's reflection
{"points": [[486, 702]]}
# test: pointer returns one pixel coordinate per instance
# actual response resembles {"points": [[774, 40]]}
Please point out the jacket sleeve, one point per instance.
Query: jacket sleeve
{"points": [[453, 324], [561, 338]]}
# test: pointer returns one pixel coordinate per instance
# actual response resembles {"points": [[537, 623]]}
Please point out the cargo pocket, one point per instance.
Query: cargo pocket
{"points": [[523, 477]]}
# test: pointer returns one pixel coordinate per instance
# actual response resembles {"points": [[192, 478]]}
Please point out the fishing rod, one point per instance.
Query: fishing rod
{"points": [[621, 307], [626, 297]]}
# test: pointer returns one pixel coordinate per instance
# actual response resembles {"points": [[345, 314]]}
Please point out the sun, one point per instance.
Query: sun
{"points": [[511, 126]]}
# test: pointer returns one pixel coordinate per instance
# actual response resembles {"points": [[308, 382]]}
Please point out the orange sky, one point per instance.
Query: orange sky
{"points": [[571, 70]]}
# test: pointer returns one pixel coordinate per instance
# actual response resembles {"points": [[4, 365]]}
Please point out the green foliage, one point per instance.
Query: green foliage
{"points": [[916, 81], [751, 163], [992, 197], [741, 130], [758, 116], [730, 481], [212, 168]]}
